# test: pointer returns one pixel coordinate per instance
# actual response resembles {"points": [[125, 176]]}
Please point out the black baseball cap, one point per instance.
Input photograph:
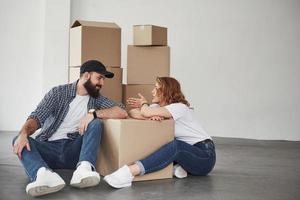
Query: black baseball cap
{"points": [[95, 66]]}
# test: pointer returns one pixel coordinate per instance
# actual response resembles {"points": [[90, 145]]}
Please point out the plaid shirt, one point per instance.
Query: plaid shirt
{"points": [[53, 108]]}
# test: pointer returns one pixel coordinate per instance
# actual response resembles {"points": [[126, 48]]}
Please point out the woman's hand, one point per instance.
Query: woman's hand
{"points": [[156, 118], [136, 102]]}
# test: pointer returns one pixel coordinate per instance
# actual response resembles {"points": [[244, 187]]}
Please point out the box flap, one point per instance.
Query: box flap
{"points": [[94, 24], [144, 25]]}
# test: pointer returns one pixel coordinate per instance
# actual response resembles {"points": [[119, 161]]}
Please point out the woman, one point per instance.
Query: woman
{"points": [[192, 149]]}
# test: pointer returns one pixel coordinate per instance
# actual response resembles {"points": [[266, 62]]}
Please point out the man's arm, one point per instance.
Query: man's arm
{"points": [[35, 121], [112, 113], [105, 109], [45, 108], [30, 126]]}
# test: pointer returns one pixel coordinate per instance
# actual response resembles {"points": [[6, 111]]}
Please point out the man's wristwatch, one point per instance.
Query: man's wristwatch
{"points": [[93, 112]]}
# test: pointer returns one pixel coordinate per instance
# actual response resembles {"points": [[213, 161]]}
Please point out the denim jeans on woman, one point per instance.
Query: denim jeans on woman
{"points": [[197, 159], [64, 153]]}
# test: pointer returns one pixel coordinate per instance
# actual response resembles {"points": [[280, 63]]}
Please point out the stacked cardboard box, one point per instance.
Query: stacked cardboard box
{"points": [[97, 41], [125, 141], [147, 59]]}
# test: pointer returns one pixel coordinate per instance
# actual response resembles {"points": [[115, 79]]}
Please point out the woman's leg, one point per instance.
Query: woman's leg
{"points": [[197, 160]]}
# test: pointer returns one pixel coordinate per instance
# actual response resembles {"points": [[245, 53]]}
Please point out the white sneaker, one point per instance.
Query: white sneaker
{"points": [[179, 172], [46, 182], [120, 178], [84, 177]]}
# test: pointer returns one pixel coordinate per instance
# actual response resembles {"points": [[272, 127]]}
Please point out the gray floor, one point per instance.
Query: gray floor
{"points": [[245, 169]]}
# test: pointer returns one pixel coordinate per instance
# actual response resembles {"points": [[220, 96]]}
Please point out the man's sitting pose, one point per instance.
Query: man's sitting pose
{"points": [[70, 120]]}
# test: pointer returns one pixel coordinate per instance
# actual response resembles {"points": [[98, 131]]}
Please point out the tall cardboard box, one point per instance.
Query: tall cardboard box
{"points": [[149, 35], [112, 87], [125, 141], [144, 64], [134, 89], [95, 41]]}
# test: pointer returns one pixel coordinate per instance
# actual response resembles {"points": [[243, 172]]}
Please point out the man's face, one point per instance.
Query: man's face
{"points": [[94, 84]]}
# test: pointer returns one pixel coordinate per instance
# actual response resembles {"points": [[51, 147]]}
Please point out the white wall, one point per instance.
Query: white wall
{"points": [[34, 42], [21, 58], [238, 61], [56, 43]]}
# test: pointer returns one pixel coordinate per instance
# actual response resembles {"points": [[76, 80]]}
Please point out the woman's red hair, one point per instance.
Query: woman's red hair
{"points": [[170, 91]]}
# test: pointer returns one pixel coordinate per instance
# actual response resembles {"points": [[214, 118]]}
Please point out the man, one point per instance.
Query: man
{"points": [[69, 117]]}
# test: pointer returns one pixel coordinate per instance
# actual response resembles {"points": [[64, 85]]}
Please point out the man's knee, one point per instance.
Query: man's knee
{"points": [[96, 124], [30, 140]]}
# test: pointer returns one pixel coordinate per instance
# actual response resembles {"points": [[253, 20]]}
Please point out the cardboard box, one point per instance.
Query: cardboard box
{"points": [[95, 41], [125, 141], [147, 35], [144, 64], [111, 89], [133, 90]]}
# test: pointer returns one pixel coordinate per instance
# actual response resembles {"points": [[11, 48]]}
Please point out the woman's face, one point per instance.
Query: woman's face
{"points": [[156, 98]]}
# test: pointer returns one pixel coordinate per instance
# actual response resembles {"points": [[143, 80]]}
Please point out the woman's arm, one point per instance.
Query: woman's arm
{"points": [[144, 110], [147, 111], [136, 114]]}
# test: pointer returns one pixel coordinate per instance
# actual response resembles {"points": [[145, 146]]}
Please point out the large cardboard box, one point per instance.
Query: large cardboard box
{"points": [[125, 141], [112, 87], [133, 90], [144, 64], [95, 41], [147, 35]]}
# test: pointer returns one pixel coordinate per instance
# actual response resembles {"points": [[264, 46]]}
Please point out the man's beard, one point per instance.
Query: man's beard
{"points": [[91, 89]]}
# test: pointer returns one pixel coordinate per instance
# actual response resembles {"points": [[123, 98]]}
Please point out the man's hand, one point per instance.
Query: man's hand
{"points": [[20, 143], [30, 126], [84, 122]]}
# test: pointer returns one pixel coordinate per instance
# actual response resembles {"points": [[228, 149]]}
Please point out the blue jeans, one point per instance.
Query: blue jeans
{"points": [[64, 153], [197, 159]]}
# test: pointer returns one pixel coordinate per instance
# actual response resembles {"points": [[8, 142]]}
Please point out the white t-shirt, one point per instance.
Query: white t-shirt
{"points": [[77, 110], [187, 128]]}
